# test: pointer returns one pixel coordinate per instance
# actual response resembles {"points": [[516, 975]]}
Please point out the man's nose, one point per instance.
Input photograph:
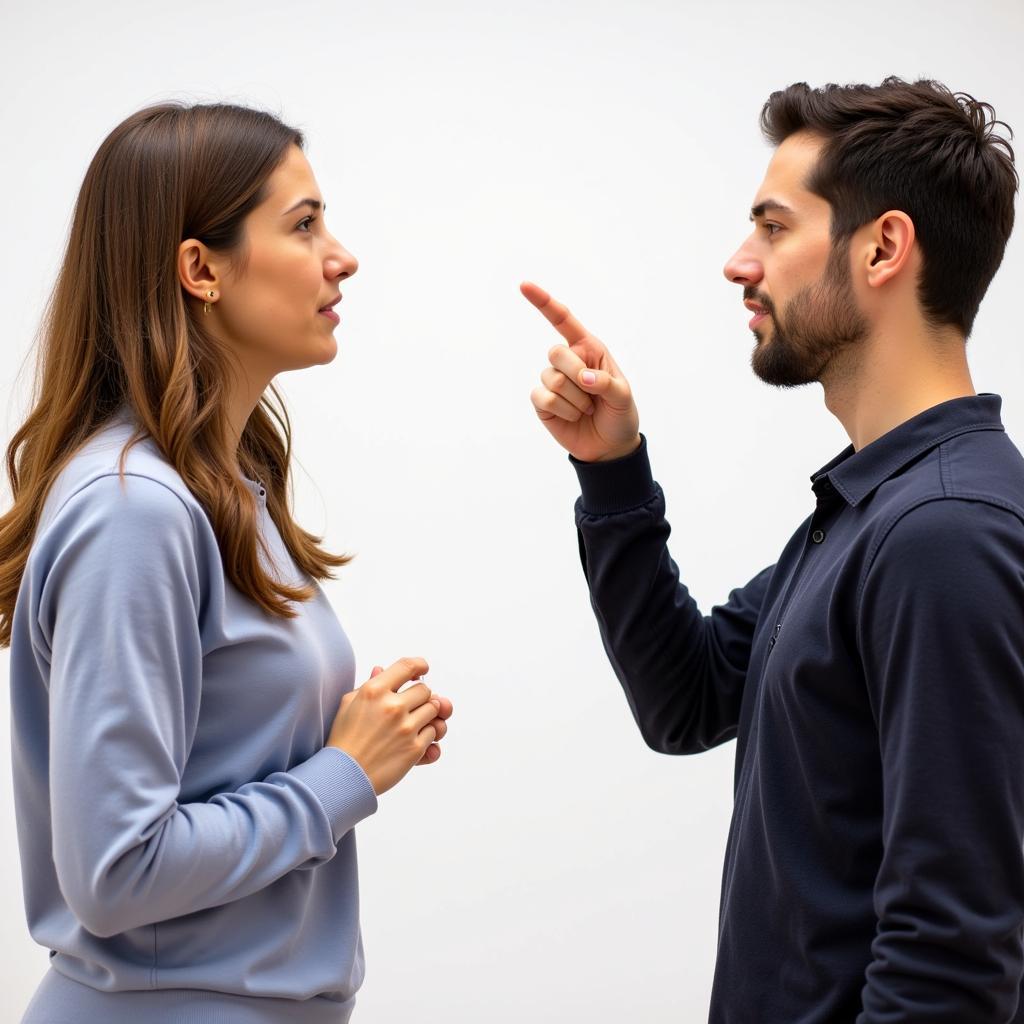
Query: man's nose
{"points": [[742, 268]]}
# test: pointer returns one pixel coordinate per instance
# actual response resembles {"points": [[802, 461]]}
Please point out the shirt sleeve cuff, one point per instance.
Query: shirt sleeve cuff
{"points": [[340, 784], [617, 485]]}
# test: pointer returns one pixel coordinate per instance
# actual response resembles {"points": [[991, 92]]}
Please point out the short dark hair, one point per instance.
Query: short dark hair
{"points": [[918, 148]]}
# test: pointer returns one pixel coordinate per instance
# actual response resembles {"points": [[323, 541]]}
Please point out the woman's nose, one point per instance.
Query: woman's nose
{"points": [[344, 264]]}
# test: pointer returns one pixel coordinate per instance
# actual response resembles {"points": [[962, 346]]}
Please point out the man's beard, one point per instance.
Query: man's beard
{"points": [[820, 321]]}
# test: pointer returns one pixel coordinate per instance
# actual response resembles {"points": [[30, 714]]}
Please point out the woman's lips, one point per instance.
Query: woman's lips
{"points": [[331, 315]]}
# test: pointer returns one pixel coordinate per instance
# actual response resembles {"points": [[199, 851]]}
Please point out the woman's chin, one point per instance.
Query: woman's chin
{"points": [[327, 353]]}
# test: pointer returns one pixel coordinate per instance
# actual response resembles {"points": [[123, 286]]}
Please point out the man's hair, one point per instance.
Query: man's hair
{"points": [[918, 148]]}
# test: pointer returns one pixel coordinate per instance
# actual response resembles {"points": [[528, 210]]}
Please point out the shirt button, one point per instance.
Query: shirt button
{"points": [[818, 536]]}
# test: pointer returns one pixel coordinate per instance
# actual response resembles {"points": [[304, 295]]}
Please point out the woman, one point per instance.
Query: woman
{"points": [[189, 755]]}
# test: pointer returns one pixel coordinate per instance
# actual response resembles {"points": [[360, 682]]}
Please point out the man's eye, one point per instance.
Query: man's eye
{"points": [[768, 224]]}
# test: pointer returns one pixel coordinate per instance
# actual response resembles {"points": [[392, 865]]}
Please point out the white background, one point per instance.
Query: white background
{"points": [[550, 867]]}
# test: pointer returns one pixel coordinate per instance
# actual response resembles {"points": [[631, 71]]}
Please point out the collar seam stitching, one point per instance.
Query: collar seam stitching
{"points": [[894, 464]]}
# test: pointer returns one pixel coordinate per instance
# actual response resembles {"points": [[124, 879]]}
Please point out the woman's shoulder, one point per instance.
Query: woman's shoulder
{"points": [[91, 483]]}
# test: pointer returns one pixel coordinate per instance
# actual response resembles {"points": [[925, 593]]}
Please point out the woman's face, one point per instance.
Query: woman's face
{"points": [[270, 313]]}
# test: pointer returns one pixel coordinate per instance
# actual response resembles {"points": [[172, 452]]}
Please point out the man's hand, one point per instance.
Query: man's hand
{"points": [[584, 400]]}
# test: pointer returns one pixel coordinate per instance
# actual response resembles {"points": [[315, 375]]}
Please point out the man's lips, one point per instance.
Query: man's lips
{"points": [[760, 313]]}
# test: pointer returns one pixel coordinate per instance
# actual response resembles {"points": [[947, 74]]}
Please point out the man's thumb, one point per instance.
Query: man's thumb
{"points": [[613, 390], [601, 382]]}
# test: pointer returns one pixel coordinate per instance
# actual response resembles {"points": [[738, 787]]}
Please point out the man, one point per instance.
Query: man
{"points": [[873, 677]]}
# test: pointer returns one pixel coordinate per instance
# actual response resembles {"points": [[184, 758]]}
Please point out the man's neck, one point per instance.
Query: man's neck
{"points": [[885, 383]]}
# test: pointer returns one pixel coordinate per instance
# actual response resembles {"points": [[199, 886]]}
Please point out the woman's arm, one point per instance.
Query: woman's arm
{"points": [[117, 618]]}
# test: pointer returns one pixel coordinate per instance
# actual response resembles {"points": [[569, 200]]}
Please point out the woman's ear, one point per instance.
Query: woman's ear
{"points": [[195, 271]]}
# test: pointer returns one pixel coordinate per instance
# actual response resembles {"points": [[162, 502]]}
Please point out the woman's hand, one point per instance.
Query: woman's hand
{"points": [[584, 400], [387, 731], [440, 724]]}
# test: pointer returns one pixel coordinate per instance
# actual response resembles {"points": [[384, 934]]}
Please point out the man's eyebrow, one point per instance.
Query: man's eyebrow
{"points": [[768, 204], [314, 203]]}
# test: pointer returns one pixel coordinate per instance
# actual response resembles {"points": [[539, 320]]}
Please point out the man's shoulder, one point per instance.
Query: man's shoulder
{"points": [[956, 539], [960, 503], [983, 467]]}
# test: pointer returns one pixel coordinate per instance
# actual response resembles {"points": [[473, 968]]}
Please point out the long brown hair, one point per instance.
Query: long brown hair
{"points": [[922, 149], [119, 331]]}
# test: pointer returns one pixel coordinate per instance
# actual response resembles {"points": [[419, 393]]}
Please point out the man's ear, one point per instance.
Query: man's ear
{"points": [[196, 270], [888, 247]]}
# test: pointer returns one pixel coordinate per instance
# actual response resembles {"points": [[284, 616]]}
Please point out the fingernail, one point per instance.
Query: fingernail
{"points": [[436, 703], [587, 377]]}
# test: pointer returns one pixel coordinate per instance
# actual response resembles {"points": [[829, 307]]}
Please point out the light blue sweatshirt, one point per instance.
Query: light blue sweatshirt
{"points": [[186, 838]]}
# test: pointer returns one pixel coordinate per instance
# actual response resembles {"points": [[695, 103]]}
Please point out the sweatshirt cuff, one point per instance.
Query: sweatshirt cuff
{"points": [[617, 485], [341, 785]]}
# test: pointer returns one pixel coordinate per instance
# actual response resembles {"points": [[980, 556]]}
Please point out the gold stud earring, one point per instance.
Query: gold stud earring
{"points": [[206, 305]]}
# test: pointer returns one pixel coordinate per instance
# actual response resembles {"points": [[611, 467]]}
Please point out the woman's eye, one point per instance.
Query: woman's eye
{"points": [[305, 220]]}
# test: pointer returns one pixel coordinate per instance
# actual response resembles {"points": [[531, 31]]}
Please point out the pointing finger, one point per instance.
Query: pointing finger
{"points": [[557, 313]]}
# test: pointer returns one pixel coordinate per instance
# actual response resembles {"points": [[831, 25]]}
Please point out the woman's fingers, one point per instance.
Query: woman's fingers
{"points": [[430, 755], [428, 712], [395, 676], [417, 695], [440, 726], [423, 720]]}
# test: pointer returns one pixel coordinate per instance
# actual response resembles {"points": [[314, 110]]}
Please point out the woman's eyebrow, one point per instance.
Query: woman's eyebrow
{"points": [[314, 203]]}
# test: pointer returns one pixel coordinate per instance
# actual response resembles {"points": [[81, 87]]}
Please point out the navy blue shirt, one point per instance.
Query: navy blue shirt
{"points": [[873, 678]]}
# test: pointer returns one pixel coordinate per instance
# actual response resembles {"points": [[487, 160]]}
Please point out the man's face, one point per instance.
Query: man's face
{"points": [[788, 268]]}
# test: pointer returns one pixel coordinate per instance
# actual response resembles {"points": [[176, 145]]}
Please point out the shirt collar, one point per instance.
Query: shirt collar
{"points": [[855, 474]]}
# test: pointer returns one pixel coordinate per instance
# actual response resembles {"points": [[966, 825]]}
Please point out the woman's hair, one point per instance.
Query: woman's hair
{"points": [[918, 148], [119, 331]]}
